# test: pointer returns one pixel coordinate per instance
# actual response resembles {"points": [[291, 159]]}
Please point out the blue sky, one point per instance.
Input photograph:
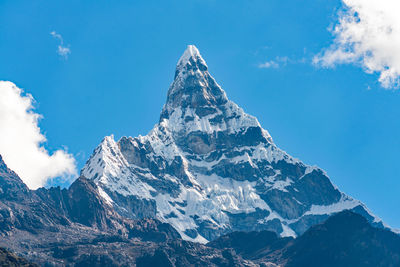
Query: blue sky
{"points": [[122, 59]]}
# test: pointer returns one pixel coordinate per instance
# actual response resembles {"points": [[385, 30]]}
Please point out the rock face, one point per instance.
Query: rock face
{"points": [[344, 239], [11, 260], [208, 168], [40, 224]]}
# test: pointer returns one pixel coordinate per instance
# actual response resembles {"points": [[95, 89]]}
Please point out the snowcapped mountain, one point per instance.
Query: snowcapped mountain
{"points": [[208, 168]]}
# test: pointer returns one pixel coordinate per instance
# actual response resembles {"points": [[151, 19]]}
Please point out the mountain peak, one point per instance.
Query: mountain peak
{"points": [[193, 86], [190, 56], [196, 102]]}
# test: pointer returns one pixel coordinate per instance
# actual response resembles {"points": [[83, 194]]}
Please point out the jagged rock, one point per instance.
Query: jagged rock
{"points": [[8, 259]]}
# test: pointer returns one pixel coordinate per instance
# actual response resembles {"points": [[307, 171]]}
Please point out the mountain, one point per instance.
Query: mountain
{"points": [[206, 172], [208, 168], [344, 239], [77, 227]]}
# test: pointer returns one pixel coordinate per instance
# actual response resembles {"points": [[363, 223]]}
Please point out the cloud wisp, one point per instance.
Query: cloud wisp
{"points": [[280, 62], [21, 141], [367, 34], [62, 50], [275, 63]]}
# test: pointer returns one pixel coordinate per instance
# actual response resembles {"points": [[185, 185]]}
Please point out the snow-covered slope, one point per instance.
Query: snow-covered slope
{"points": [[208, 168]]}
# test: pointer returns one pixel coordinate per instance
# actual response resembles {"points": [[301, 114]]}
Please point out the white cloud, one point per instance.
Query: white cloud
{"points": [[62, 50], [268, 64], [276, 63], [367, 34], [21, 141]]}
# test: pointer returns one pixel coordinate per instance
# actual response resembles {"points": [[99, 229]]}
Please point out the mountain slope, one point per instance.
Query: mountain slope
{"points": [[37, 223], [77, 227], [344, 239], [208, 168]]}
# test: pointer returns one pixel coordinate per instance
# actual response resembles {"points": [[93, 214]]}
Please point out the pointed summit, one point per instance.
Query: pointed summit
{"points": [[196, 102], [191, 56], [193, 86]]}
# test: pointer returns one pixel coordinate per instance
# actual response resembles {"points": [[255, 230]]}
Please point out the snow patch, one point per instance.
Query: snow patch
{"points": [[191, 52], [346, 204]]}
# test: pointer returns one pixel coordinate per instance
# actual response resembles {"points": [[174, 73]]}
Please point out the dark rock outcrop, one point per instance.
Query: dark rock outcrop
{"points": [[8, 259], [344, 239]]}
